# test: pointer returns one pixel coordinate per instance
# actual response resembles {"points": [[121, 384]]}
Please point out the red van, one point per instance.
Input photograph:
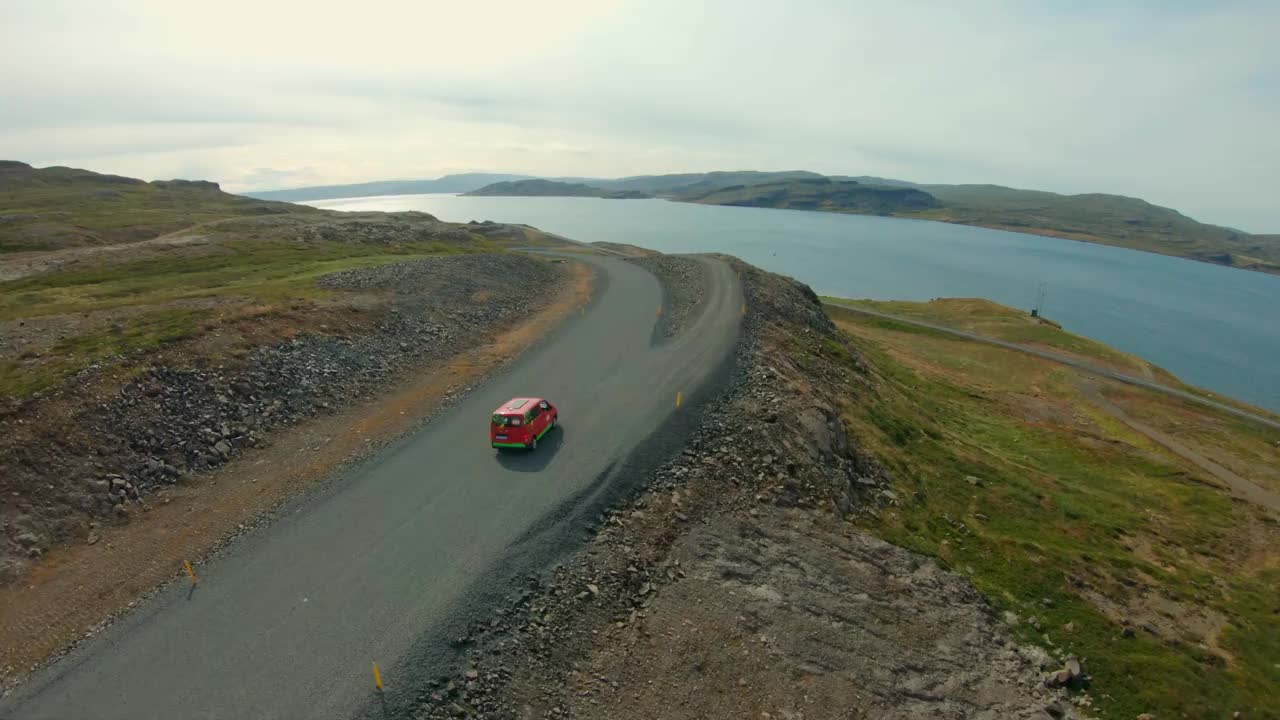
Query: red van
{"points": [[521, 423]]}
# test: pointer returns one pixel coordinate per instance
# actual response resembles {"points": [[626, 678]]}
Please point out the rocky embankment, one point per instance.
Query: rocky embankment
{"points": [[85, 456], [684, 281], [737, 584]]}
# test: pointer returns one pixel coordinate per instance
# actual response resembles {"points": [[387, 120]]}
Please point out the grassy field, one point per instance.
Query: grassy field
{"points": [[997, 321], [1010, 469]]}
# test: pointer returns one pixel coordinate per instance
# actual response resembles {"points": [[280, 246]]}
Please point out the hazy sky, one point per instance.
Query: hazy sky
{"points": [[1175, 102]]}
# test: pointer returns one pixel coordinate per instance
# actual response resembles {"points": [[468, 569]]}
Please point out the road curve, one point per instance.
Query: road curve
{"points": [[380, 564]]}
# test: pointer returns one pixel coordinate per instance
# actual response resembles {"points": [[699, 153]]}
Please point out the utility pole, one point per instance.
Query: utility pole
{"points": [[1038, 311]]}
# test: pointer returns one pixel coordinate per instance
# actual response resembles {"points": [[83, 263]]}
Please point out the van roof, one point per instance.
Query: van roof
{"points": [[516, 405]]}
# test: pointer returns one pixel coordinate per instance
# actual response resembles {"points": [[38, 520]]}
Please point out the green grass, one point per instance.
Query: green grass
{"points": [[147, 331], [263, 270], [246, 265], [268, 273], [1003, 323], [993, 320], [1063, 512]]}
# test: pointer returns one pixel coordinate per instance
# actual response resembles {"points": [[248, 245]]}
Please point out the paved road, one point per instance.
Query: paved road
{"points": [[287, 623], [1073, 362]]}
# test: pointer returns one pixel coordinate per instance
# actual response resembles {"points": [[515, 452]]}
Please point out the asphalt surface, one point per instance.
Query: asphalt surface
{"points": [[380, 564], [1073, 362]]}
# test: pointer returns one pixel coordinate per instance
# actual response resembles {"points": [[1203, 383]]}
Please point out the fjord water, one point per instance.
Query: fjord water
{"points": [[1213, 326]]}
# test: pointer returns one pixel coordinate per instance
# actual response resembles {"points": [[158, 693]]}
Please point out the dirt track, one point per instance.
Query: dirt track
{"points": [[1242, 487], [15, 266]]}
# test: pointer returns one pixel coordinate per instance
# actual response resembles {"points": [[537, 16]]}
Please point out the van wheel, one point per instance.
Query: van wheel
{"points": [[533, 445], [555, 421]]}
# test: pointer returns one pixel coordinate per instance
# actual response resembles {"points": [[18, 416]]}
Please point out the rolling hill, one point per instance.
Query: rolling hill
{"points": [[59, 207], [819, 194], [553, 188], [1101, 218]]}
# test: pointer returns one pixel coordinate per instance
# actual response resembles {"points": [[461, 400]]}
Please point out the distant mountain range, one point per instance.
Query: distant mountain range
{"points": [[819, 193], [1098, 218], [465, 182], [471, 182]]}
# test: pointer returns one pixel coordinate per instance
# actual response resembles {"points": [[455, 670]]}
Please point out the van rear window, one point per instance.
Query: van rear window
{"points": [[504, 420]]}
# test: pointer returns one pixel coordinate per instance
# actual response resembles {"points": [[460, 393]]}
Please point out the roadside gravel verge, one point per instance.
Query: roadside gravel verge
{"points": [[684, 281]]}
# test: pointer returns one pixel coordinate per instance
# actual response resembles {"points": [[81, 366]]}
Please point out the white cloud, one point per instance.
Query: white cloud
{"points": [[1173, 103]]}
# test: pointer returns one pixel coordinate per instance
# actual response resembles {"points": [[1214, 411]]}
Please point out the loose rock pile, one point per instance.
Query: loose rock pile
{"points": [[174, 421]]}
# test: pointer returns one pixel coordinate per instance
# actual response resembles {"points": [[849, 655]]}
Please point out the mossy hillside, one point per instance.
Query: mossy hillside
{"points": [[1075, 519]]}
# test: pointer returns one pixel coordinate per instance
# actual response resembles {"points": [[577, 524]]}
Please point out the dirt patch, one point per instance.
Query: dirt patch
{"points": [[1163, 617], [74, 589], [789, 614]]}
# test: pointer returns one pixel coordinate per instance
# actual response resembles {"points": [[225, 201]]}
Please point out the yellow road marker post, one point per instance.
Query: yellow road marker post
{"points": [[377, 677], [744, 309], [190, 572], [659, 311], [677, 399]]}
